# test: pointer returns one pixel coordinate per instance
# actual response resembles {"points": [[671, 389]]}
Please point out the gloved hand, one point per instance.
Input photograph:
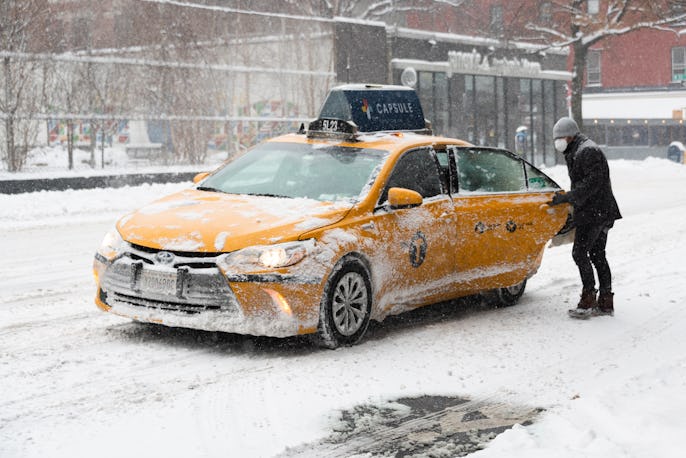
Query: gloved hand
{"points": [[559, 198]]}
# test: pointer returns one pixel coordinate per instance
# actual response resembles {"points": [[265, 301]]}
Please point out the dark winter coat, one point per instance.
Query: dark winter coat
{"points": [[591, 190]]}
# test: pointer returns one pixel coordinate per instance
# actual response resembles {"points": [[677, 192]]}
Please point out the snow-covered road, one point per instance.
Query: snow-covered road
{"points": [[78, 382]]}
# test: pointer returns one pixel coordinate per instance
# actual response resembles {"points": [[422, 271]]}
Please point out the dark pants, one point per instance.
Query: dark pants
{"points": [[589, 251]]}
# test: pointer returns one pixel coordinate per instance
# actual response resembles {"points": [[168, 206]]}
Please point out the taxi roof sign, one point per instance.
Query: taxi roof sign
{"points": [[376, 108]]}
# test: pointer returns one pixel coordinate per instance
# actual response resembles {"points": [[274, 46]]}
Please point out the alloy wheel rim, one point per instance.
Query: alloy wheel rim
{"points": [[349, 305]]}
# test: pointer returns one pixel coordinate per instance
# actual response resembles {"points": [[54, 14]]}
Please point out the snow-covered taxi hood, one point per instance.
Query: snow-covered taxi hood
{"points": [[193, 220]]}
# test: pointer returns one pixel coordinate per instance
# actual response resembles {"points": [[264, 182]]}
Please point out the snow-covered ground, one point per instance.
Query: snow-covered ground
{"points": [[77, 382]]}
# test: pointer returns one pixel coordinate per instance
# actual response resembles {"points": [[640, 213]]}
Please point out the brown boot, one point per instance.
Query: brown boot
{"points": [[605, 304], [586, 305], [588, 299]]}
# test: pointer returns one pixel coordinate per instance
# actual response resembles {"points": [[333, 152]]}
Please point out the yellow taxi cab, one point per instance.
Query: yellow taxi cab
{"points": [[362, 215]]}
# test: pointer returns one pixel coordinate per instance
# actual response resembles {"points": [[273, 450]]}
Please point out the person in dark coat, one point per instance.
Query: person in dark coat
{"points": [[594, 213]]}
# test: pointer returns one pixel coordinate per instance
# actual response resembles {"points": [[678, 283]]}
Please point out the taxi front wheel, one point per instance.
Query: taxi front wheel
{"points": [[346, 307], [505, 297]]}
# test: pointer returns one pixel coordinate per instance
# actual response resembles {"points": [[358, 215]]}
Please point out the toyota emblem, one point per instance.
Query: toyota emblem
{"points": [[164, 257]]}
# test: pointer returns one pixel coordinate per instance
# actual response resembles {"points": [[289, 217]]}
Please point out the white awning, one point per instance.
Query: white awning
{"points": [[634, 105]]}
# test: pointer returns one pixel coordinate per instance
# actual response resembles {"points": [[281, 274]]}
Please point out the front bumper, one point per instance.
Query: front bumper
{"points": [[192, 292]]}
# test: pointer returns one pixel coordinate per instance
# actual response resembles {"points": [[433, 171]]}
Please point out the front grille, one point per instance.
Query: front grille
{"points": [[195, 260], [182, 254], [137, 278], [161, 305]]}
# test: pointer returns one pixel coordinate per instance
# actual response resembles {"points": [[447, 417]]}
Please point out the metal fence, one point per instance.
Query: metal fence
{"points": [[172, 102]]}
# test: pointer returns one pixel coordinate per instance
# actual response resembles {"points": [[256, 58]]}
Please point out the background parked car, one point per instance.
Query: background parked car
{"points": [[675, 152]]}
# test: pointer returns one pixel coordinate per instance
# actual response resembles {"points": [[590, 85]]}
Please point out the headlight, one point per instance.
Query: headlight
{"points": [[111, 245], [270, 256], [281, 256]]}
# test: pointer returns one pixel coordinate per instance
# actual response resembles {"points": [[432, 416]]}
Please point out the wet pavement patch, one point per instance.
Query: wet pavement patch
{"points": [[431, 426]]}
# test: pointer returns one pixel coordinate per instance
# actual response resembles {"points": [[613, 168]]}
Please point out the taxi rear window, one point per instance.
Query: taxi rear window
{"points": [[376, 110], [486, 171]]}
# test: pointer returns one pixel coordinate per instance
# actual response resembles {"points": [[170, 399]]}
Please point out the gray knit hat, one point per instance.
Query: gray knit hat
{"points": [[565, 127]]}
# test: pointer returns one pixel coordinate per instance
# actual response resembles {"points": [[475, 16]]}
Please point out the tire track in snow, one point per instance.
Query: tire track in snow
{"points": [[82, 376]]}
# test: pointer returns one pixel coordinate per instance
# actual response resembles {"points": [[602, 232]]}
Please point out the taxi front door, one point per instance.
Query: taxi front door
{"points": [[415, 246]]}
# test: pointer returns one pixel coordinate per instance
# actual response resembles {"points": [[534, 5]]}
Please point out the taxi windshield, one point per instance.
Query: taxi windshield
{"points": [[296, 170]]}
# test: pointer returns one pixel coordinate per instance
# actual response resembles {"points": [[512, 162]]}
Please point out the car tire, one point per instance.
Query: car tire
{"points": [[505, 297], [346, 306]]}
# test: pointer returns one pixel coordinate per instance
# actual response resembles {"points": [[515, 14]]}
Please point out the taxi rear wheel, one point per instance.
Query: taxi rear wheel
{"points": [[506, 297], [346, 307]]}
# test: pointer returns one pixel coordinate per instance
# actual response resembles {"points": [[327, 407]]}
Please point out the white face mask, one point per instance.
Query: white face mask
{"points": [[560, 144]]}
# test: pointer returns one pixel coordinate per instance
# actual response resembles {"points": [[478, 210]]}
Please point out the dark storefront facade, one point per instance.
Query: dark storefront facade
{"points": [[472, 88]]}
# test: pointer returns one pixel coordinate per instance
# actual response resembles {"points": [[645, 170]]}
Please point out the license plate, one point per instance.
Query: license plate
{"points": [[160, 282]]}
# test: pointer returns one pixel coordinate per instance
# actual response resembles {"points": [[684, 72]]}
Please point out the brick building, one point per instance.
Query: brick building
{"points": [[635, 94]]}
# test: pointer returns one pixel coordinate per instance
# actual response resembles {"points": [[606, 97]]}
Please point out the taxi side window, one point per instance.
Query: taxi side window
{"points": [[489, 171], [415, 170], [537, 180]]}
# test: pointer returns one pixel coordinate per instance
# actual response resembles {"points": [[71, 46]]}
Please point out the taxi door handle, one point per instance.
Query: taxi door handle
{"points": [[548, 209], [369, 226]]}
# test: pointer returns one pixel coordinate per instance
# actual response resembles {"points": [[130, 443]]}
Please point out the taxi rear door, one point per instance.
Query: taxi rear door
{"points": [[502, 219]]}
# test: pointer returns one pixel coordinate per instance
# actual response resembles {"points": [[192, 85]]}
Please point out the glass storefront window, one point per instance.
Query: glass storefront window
{"points": [[501, 112], [441, 100], [469, 108], [426, 84], [523, 116], [512, 113], [486, 112], [537, 125], [549, 119], [433, 95]]}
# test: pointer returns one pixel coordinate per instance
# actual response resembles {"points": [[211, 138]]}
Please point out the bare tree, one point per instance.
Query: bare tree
{"points": [[18, 21], [188, 93], [68, 82], [574, 24], [104, 85]]}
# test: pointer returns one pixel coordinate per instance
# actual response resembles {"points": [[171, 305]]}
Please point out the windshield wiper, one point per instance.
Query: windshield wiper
{"points": [[208, 189], [267, 195]]}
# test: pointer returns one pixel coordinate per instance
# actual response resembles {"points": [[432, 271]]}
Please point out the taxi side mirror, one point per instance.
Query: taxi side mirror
{"points": [[200, 176], [404, 198]]}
